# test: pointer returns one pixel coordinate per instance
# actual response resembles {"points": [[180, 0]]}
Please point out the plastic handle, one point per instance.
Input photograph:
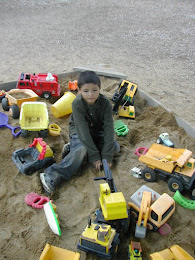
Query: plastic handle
{"points": [[14, 129]]}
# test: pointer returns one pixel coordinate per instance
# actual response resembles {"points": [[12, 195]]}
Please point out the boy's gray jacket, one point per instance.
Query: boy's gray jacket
{"points": [[86, 120]]}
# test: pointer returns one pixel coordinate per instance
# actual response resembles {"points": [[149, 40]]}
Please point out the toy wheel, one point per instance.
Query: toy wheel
{"points": [[133, 213], [174, 185], [151, 226], [24, 133], [148, 175], [46, 95], [14, 111], [5, 104], [192, 196], [29, 170], [43, 133]]}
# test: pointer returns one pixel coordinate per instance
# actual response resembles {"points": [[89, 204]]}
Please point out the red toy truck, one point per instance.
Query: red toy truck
{"points": [[43, 84]]}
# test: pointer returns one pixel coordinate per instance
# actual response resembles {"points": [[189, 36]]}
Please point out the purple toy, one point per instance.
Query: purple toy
{"points": [[4, 123]]}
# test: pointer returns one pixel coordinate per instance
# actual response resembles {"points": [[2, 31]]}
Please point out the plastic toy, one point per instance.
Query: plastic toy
{"points": [[189, 204], [2, 94], [4, 123], [173, 164], [63, 106], [36, 201], [34, 117], [52, 217], [136, 172], [174, 252], [13, 104], [57, 253], [43, 84], [164, 229], [54, 129], [73, 85], [120, 128], [37, 156], [164, 139], [113, 209], [134, 251], [124, 99], [140, 151], [99, 239], [152, 212]]}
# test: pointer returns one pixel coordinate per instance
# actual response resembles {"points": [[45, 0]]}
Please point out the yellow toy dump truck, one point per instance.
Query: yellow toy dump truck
{"points": [[175, 252], [151, 209], [173, 164], [14, 98], [99, 239], [57, 253]]}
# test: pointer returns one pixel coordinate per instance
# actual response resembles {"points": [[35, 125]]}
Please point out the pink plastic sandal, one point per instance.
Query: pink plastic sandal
{"points": [[36, 201]]}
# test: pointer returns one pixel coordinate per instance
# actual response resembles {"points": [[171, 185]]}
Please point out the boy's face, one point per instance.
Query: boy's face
{"points": [[90, 92]]}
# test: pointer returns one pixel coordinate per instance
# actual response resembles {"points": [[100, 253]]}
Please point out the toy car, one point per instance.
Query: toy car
{"points": [[43, 84], [164, 139], [37, 156]]}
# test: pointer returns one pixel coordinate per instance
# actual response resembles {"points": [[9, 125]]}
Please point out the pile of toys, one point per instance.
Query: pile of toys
{"points": [[114, 218]]}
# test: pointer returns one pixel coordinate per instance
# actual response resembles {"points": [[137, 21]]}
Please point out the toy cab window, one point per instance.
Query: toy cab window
{"points": [[101, 236], [22, 84], [154, 215], [27, 77], [167, 212]]}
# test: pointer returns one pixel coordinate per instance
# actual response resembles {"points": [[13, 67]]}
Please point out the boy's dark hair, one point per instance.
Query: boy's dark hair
{"points": [[87, 77]]}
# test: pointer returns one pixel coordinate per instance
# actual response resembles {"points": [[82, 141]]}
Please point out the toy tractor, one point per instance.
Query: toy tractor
{"points": [[134, 251], [37, 156], [124, 99], [99, 239]]}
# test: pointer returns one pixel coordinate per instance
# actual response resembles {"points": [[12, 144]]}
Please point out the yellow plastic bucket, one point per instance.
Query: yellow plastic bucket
{"points": [[63, 106]]}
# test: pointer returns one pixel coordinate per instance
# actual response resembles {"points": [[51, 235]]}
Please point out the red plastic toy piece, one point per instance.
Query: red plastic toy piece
{"points": [[164, 229], [141, 151], [43, 144], [36, 201]]}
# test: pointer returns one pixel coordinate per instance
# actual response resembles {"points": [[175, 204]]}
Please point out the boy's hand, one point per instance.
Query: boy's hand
{"points": [[97, 165]]}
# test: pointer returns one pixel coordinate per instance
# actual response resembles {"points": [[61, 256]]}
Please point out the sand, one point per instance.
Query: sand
{"points": [[24, 231]]}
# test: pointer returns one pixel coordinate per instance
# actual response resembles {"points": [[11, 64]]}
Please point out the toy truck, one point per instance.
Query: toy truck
{"points": [[34, 117], [14, 98], [56, 253], [134, 251], [175, 252], [43, 84], [173, 164], [37, 156], [99, 239], [152, 211], [124, 99], [113, 208]]}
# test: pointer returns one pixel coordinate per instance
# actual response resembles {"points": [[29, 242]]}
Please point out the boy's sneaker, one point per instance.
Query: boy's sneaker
{"points": [[48, 187], [65, 150]]}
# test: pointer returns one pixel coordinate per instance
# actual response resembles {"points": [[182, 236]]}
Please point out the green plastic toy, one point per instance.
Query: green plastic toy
{"points": [[120, 128], [189, 204]]}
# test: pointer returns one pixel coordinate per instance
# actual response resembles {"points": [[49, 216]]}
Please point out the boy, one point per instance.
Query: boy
{"points": [[91, 132]]}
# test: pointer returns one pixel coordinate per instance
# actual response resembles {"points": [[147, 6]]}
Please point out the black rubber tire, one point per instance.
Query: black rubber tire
{"points": [[151, 226], [29, 171], [159, 141], [24, 133], [149, 175], [5, 104], [192, 196], [14, 111], [175, 184], [46, 95], [43, 133]]}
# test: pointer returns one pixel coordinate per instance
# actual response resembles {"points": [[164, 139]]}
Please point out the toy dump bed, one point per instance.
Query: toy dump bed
{"points": [[18, 96], [165, 158], [34, 116]]}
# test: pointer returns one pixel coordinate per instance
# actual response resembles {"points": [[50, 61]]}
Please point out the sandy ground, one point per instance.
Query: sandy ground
{"points": [[153, 44], [25, 231]]}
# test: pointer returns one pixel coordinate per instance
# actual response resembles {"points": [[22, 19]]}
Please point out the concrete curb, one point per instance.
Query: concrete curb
{"points": [[190, 130]]}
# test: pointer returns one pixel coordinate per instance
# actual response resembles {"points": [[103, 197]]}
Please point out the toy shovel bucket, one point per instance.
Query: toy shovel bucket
{"points": [[4, 123]]}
